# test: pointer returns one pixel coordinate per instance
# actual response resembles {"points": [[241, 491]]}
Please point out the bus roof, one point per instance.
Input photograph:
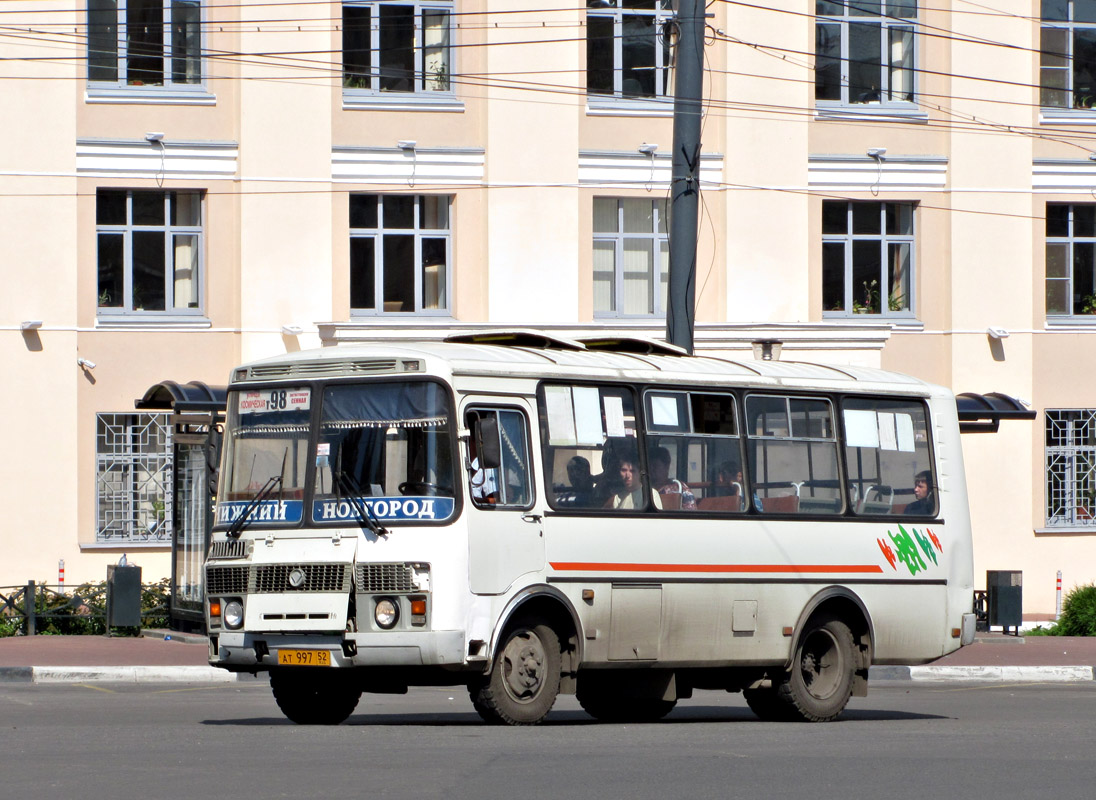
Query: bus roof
{"points": [[547, 358]]}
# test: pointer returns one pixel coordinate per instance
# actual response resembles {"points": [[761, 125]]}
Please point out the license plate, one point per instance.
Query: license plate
{"points": [[304, 658]]}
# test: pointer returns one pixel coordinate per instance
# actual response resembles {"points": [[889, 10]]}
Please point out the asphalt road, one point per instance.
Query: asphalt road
{"points": [[230, 741]]}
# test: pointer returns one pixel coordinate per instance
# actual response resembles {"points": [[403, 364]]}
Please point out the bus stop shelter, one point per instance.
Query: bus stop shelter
{"points": [[197, 413]]}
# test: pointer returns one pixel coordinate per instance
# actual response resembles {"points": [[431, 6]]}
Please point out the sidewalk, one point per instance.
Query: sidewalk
{"points": [[168, 656]]}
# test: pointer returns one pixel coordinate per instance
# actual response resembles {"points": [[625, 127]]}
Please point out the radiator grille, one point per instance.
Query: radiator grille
{"points": [[377, 578], [226, 580], [317, 578], [233, 548]]}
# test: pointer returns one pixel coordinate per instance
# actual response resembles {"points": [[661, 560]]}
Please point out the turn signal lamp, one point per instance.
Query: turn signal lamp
{"points": [[214, 608]]}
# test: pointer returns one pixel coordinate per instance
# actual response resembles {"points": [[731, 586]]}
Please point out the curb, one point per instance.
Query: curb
{"points": [[982, 674], [116, 675]]}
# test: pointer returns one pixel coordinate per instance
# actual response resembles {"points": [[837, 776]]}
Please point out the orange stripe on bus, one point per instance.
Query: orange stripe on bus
{"points": [[594, 566]]}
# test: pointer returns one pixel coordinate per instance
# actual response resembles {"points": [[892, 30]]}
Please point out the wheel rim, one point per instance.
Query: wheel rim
{"points": [[821, 665], [523, 666]]}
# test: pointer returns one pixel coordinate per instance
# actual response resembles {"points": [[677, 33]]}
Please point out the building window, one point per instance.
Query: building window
{"points": [[1071, 467], [133, 478], [627, 54], [145, 42], [631, 257], [1067, 63], [1071, 260], [396, 47], [149, 251], [867, 258], [865, 51], [400, 252]]}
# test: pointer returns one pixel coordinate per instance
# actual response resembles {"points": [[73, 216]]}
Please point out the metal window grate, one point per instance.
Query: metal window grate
{"points": [[133, 478], [375, 578], [1071, 467]]}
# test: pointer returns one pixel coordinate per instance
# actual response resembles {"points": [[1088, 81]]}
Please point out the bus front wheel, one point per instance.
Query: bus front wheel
{"points": [[524, 679], [820, 682], [311, 698]]}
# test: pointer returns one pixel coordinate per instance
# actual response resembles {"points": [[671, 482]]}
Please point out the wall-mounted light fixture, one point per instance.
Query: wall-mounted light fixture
{"points": [[647, 149], [30, 324], [406, 144], [85, 363], [877, 152], [996, 333], [154, 136], [767, 349], [292, 330]]}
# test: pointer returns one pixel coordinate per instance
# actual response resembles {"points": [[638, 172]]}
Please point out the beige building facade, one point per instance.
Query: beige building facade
{"points": [[188, 185]]}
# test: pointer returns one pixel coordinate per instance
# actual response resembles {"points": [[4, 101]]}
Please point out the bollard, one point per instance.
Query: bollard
{"points": [[1058, 598], [30, 606], [61, 573]]}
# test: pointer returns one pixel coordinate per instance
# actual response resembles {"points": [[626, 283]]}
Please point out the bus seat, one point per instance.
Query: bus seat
{"points": [[719, 504], [784, 504], [670, 501]]}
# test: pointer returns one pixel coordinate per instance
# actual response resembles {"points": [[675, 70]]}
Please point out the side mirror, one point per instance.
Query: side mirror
{"points": [[486, 432]]}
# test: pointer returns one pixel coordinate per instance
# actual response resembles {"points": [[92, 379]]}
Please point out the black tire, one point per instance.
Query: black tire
{"points": [[605, 706], [524, 680], [314, 697], [819, 685], [768, 705]]}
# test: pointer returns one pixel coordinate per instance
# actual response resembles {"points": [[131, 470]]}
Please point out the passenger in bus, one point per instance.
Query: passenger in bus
{"points": [[629, 492], [924, 503], [728, 480], [582, 483], [666, 486]]}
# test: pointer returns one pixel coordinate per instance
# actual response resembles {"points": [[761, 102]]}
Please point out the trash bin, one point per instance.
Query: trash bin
{"points": [[123, 596], [1005, 598]]}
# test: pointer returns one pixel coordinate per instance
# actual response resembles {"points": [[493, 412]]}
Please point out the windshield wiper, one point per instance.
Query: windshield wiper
{"points": [[273, 482], [366, 520]]}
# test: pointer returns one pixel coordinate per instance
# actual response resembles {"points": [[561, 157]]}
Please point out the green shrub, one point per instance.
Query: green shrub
{"points": [[82, 611], [1078, 612]]}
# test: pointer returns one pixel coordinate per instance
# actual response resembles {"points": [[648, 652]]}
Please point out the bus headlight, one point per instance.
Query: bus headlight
{"points": [[233, 614], [386, 613]]}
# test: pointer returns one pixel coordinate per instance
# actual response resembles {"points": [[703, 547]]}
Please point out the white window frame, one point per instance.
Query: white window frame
{"points": [[616, 10], [1073, 291], [419, 232], [420, 80], [121, 52], [883, 95], [1058, 60], [1071, 467], [884, 239], [660, 242], [169, 231]]}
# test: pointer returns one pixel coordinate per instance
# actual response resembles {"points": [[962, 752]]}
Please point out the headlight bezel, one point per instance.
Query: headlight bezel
{"points": [[386, 612], [232, 613]]}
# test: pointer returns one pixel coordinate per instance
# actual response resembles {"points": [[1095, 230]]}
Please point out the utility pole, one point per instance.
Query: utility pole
{"points": [[685, 186]]}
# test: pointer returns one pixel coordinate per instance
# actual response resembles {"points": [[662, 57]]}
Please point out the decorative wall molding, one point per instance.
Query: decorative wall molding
{"points": [[1063, 175], [628, 169], [137, 158], [864, 173], [435, 165]]}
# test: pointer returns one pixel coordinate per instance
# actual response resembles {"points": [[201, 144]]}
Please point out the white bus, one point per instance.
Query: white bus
{"points": [[528, 516]]}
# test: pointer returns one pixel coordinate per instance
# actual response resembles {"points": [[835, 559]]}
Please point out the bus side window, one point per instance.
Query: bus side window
{"points": [[886, 453], [499, 470]]}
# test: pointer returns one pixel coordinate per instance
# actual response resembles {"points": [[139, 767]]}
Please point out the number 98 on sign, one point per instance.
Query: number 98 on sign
{"points": [[268, 401]]}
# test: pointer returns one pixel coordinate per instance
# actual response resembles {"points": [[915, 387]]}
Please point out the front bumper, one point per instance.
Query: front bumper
{"points": [[240, 651]]}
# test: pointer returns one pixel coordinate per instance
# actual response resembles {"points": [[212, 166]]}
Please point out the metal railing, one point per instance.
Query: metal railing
{"points": [[37, 608]]}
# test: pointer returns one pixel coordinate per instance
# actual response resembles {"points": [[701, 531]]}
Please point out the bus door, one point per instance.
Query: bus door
{"points": [[505, 540]]}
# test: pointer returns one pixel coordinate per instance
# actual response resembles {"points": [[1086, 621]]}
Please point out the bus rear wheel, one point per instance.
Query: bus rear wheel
{"points": [[308, 697], [524, 680], [820, 682]]}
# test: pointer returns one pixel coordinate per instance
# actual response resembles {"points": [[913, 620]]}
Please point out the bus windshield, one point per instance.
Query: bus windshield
{"points": [[268, 439], [389, 444]]}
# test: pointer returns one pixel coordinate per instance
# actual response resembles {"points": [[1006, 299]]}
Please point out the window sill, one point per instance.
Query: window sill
{"points": [[1086, 322], [604, 106], [149, 96], [152, 322], [906, 323], [1069, 530], [1067, 116], [126, 545], [409, 101], [401, 317], [872, 112]]}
